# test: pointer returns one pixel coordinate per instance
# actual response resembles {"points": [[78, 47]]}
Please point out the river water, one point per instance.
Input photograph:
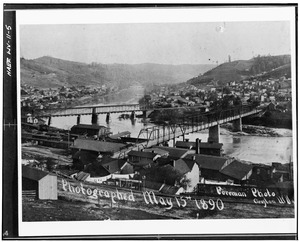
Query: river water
{"points": [[256, 149]]}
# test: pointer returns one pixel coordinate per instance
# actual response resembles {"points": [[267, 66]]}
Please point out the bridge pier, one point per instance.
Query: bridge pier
{"points": [[214, 134], [144, 114], [237, 125], [49, 121], [107, 117], [132, 115], [78, 119], [94, 116]]}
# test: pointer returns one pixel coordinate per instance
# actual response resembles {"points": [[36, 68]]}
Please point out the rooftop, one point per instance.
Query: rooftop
{"points": [[181, 166], [208, 161], [237, 170], [157, 151], [211, 145], [175, 153], [33, 173], [184, 144], [82, 176], [88, 126], [112, 165], [97, 146], [149, 155], [85, 157], [119, 135]]}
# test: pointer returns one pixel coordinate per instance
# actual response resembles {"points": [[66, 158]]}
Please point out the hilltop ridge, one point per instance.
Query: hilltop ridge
{"points": [[46, 71], [274, 66]]}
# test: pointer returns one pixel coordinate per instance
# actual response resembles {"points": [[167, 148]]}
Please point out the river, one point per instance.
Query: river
{"points": [[256, 149]]}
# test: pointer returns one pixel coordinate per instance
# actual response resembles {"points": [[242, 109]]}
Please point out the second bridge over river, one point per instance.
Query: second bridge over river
{"points": [[88, 110]]}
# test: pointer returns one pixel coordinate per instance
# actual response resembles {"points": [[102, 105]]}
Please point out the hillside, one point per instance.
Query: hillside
{"points": [[48, 72], [274, 66]]}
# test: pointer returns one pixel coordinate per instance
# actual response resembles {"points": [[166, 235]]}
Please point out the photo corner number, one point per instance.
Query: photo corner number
{"points": [[5, 234]]}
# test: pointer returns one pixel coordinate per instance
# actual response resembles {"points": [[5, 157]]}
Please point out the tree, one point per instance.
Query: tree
{"points": [[226, 90], [50, 164]]}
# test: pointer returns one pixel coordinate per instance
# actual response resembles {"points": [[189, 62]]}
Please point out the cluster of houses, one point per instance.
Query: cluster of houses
{"points": [[33, 97], [197, 162], [252, 89]]}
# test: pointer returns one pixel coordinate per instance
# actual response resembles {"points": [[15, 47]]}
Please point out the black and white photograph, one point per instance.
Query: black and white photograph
{"points": [[171, 119]]}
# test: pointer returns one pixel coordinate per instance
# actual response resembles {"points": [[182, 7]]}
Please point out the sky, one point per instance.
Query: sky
{"points": [[162, 43]]}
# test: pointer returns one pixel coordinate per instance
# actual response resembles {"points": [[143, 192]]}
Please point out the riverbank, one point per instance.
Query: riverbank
{"points": [[252, 130]]}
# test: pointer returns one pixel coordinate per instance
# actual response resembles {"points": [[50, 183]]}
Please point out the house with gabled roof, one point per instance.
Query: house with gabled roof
{"points": [[209, 166], [42, 184], [142, 159], [97, 173], [189, 170], [117, 166], [237, 171], [82, 158]]}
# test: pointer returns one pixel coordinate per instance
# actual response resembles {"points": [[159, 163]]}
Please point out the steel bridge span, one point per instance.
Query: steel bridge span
{"points": [[161, 134], [91, 110]]}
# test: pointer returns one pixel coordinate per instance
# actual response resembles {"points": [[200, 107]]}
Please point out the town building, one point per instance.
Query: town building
{"points": [[209, 166], [142, 159], [90, 130], [237, 171], [97, 147], [44, 184]]}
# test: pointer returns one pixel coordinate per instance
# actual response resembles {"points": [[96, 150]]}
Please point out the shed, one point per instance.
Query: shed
{"points": [[43, 183]]}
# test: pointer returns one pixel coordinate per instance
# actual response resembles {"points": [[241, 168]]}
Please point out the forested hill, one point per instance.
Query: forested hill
{"points": [[274, 66], [52, 72]]}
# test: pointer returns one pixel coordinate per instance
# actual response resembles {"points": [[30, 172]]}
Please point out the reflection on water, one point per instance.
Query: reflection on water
{"points": [[236, 140]]}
